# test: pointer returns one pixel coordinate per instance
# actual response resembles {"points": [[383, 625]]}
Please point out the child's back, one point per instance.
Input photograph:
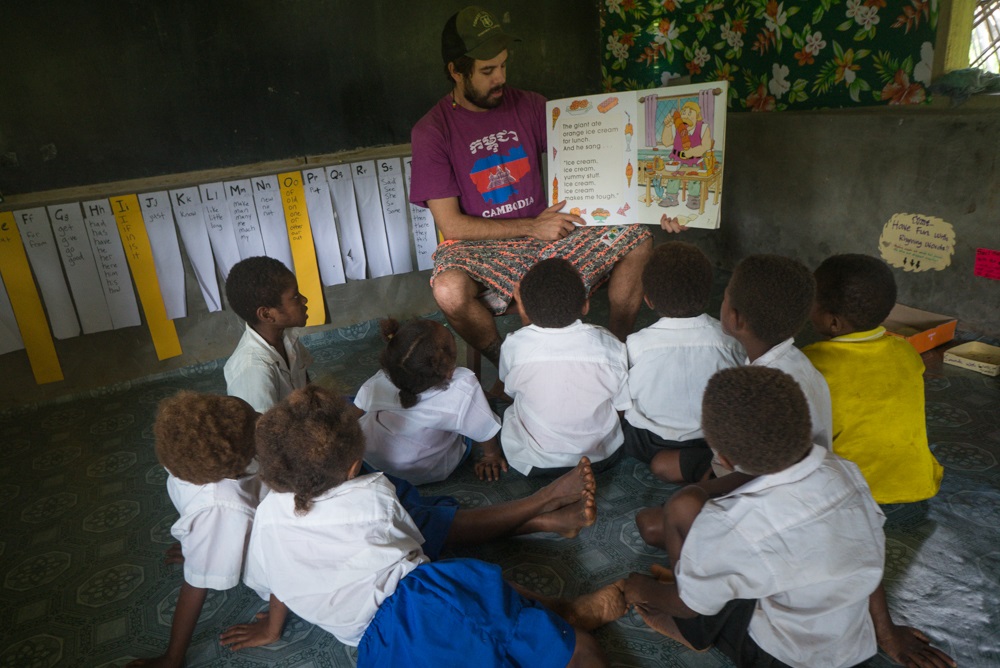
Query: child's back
{"points": [[876, 381], [420, 405], [567, 384], [368, 543], [423, 443], [671, 361], [803, 540], [568, 379], [670, 364]]}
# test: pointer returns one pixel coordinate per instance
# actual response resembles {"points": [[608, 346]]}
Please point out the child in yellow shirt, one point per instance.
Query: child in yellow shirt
{"points": [[876, 380]]}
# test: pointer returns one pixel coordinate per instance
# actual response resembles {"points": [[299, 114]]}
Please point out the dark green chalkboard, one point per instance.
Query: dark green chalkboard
{"points": [[106, 91]]}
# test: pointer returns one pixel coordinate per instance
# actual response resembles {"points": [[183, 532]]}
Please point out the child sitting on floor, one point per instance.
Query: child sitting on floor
{"points": [[341, 550], [876, 381], [205, 443], [670, 363], [269, 361], [567, 378], [767, 301], [420, 405], [784, 567]]}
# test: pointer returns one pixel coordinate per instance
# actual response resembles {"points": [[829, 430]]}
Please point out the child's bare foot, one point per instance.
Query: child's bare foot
{"points": [[596, 609], [569, 519], [569, 487]]}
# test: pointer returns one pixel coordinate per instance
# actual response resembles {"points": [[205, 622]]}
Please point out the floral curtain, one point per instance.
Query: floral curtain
{"points": [[796, 54]]}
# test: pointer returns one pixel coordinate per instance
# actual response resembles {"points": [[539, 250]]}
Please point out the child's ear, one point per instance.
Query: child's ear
{"points": [[352, 473], [586, 307], [264, 314], [645, 299], [739, 322], [836, 324]]}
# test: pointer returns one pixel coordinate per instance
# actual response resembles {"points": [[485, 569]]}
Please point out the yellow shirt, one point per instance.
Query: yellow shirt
{"points": [[877, 391]]}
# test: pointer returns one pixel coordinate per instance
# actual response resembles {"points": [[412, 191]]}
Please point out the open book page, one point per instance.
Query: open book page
{"points": [[634, 156]]}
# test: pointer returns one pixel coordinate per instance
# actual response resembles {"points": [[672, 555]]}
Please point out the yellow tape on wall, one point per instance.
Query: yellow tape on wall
{"points": [[300, 238], [135, 241], [26, 303]]}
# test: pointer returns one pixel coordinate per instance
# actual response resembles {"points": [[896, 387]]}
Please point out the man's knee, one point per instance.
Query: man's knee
{"points": [[453, 290], [642, 251]]}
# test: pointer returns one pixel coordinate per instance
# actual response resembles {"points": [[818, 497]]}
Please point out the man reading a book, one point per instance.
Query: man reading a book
{"points": [[476, 166]]}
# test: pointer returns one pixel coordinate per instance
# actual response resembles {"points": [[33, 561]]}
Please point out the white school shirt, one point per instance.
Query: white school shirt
{"points": [[567, 384], [807, 543], [423, 443], [214, 527], [670, 363], [334, 565], [786, 357], [257, 374]]}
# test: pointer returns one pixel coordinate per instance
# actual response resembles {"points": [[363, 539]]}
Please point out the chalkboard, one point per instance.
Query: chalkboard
{"points": [[106, 91]]}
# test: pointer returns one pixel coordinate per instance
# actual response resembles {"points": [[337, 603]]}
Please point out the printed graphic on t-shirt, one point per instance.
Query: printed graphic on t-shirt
{"points": [[496, 176]]}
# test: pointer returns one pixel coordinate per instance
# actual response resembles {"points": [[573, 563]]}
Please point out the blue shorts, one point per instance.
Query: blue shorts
{"points": [[461, 612], [433, 515]]}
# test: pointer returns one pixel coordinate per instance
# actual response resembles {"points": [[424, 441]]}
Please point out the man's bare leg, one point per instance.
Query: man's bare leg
{"points": [[480, 525], [455, 293], [625, 289]]}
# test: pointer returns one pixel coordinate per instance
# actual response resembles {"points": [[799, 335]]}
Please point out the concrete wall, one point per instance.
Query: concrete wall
{"points": [[812, 184]]}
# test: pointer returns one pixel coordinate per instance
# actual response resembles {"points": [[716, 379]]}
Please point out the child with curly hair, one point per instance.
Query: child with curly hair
{"points": [[338, 546], [422, 413], [876, 381], [205, 443], [269, 361]]}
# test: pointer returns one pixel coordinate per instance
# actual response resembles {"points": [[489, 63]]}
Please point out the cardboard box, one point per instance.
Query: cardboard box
{"points": [[923, 329], [975, 355]]}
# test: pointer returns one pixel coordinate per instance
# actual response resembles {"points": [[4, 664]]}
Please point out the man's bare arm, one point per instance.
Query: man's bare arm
{"points": [[550, 225]]}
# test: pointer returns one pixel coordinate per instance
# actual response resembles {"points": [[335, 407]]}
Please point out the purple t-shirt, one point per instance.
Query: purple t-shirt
{"points": [[488, 159]]}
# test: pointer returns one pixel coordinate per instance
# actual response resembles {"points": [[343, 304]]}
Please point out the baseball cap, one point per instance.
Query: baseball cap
{"points": [[473, 32]]}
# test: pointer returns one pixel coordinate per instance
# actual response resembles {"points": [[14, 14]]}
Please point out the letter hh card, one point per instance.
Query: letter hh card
{"points": [[634, 156]]}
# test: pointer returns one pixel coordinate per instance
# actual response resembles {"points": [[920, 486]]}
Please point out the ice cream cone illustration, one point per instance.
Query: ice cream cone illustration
{"points": [[555, 116], [628, 132], [555, 189], [628, 173]]}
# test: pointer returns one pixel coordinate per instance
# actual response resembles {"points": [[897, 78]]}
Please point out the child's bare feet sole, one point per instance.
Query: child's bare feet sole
{"points": [[596, 609], [570, 518], [570, 486]]}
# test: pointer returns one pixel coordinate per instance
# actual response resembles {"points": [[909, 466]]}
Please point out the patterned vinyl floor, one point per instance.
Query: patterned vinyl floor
{"points": [[86, 519]]}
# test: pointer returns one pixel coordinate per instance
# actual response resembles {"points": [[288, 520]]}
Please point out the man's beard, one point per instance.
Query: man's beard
{"points": [[483, 101]]}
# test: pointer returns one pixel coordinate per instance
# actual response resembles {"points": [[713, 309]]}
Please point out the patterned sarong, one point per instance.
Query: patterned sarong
{"points": [[499, 264]]}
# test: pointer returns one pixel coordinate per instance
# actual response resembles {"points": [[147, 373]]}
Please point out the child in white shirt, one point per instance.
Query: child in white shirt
{"points": [[206, 442], [419, 407], [768, 300], [269, 361], [781, 563], [568, 379], [670, 363], [342, 551]]}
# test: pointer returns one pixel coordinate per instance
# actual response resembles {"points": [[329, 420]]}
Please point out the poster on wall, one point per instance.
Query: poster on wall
{"points": [[77, 257], [635, 156], [917, 242]]}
